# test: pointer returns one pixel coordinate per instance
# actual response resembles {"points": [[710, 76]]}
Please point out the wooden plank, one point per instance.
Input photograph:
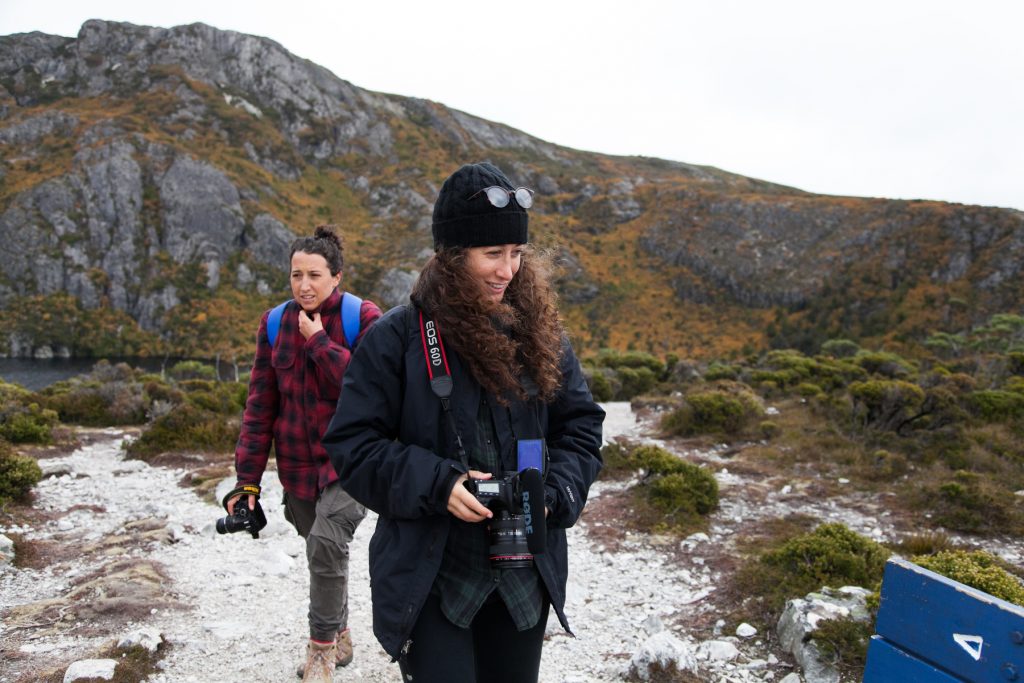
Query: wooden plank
{"points": [[960, 629], [889, 664]]}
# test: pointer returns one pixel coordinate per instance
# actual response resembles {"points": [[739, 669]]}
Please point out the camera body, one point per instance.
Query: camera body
{"points": [[243, 519], [515, 532]]}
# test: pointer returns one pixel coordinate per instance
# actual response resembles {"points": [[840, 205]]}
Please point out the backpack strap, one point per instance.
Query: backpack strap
{"points": [[274, 322], [350, 322]]}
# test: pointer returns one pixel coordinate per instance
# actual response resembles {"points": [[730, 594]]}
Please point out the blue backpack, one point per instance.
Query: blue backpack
{"points": [[350, 305]]}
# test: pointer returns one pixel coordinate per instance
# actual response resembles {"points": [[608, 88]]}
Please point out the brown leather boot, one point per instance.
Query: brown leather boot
{"points": [[320, 660], [344, 642], [344, 656]]}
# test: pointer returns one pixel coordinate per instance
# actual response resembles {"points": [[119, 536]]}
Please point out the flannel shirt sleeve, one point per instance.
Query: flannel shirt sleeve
{"points": [[261, 406]]}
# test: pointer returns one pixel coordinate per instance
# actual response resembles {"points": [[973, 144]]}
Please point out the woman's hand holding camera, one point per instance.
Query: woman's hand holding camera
{"points": [[463, 504]]}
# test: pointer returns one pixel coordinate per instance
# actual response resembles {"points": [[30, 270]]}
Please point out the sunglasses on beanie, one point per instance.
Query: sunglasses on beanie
{"points": [[499, 197]]}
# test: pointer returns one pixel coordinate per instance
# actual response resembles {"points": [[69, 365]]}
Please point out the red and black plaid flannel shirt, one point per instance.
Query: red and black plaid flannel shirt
{"points": [[293, 391]]}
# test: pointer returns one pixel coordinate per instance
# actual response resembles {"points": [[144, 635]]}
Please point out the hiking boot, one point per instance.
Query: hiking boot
{"points": [[344, 656], [344, 641], [320, 659]]}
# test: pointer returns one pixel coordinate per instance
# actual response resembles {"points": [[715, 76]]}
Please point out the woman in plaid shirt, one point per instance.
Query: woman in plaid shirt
{"points": [[293, 391], [440, 606]]}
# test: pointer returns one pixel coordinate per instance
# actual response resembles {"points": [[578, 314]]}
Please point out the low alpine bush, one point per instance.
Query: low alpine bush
{"points": [[18, 474]]}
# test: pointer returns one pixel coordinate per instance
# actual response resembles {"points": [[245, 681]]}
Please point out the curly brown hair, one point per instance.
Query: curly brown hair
{"points": [[326, 242], [498, 342]]}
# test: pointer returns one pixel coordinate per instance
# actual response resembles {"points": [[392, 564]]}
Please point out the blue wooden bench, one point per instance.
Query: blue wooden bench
{"points": [[931, 628]]}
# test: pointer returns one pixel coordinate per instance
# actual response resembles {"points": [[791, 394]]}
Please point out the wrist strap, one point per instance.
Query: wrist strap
{"points": [[244, 489]]}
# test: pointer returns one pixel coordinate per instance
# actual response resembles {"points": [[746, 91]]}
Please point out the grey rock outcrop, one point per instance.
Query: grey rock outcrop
{"points": [[800, 619], [395, 287]]}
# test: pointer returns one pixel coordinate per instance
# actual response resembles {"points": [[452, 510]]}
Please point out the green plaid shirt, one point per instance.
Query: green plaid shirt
{"points": [[466, 578]]}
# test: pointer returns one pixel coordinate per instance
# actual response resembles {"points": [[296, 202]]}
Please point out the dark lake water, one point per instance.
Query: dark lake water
{"points": [[36, 374]]}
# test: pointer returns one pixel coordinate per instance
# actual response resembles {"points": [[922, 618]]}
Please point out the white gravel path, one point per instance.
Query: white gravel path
{"points": [[248, 599]]}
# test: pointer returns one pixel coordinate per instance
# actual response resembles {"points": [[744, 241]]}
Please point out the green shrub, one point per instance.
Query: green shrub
{"points": [[885, 404], [840, 348], [769, 429], [996, 405], [192, 369], [655, 460], [831, 555], [678, 492], [630, 359], [1015, 384], [883, 465], [712, 412], [717, 371], [884, 363], [845, 643], [107, 395], [775, 378], [635, 381], [615, 459], [672, 494], [809, 390], [18, 474], [31, 424], [970, 502], [600, 387], [158, 390], [186, 427], [217, 397], [694, 489], [788, 359], [977, 569], [22, 419]]}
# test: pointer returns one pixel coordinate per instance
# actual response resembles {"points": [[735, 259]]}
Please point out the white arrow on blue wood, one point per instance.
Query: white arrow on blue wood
{"points": [[971, 644]]}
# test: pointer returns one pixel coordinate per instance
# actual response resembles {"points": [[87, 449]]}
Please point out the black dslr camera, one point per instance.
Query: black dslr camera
{"points": [[518, 530], [243, 518]]}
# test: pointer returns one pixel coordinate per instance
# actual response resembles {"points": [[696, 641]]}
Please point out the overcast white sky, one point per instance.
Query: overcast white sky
{"points": [[913, 99]]}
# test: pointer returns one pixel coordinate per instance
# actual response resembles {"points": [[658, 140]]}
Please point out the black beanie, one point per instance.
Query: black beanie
{"points": [[461, 222]]}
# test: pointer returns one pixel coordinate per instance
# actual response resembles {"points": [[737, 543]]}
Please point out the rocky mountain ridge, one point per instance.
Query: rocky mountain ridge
{"points": [[153, 178]]}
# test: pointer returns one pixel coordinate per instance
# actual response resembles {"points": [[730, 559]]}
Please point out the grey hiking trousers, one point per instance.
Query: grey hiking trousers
{"points": [[328, 526]]}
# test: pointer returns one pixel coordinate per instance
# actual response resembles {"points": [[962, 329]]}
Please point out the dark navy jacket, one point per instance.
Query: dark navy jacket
{"points": [[394, 452]]}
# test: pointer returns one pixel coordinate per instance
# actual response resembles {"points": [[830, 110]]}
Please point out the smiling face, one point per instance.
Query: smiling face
{"points": [[494, 267], [311, 280]]}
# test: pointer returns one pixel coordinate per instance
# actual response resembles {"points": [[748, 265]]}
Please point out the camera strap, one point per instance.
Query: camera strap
{"points": [[440, 377]]}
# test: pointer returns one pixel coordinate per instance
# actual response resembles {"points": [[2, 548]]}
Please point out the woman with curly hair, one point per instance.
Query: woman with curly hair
{"points": [[456, 409]]}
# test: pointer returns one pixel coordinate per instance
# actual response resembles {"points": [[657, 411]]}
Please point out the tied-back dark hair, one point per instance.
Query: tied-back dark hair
{"points": [[499, 343], [326, 242]]}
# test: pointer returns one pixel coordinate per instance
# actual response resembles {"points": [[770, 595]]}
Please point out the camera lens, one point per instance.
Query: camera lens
{"points": [[508, 542], [234, 523]]}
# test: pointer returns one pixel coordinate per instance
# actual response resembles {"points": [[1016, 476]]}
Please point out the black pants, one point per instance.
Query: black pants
{"points": [[491, 650]]}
